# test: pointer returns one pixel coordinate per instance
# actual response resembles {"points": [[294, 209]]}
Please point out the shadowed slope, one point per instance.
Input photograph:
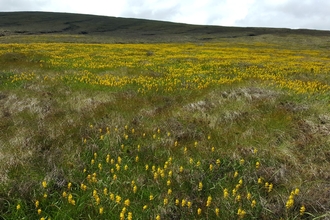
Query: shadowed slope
{"points": [[127, 29]]}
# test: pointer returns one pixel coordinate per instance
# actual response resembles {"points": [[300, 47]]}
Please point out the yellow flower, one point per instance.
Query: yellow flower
{"points": [[165, 201], [105, 191], [151, 197], [69, 185], [145, 207], [169, 191], [225, 193], [134, 189], [253, 203], [121, 216], [127, 202], [200, 186], [44, 184], [289, 203], [157, 217], [37, 204], [257, 165], [241, 213], [118, 199], [101, 210], [39, 211], [83, 187], [177, 202], [217, 211], [270, 187], [248, 196], [183, 202], [189, 204], [129, 216], [302, 210], [241, 161], [208, 202], [211, 167], [240, 182], [18, 207], [235, 174], [199, 211], [181, 169]]}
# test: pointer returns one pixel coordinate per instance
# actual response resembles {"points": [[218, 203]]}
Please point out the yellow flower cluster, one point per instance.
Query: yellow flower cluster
{"points": [[290, 202], [178, 67]]}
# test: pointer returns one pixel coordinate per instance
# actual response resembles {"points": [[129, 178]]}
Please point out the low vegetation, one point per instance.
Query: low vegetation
{"points": [[227, 129]]}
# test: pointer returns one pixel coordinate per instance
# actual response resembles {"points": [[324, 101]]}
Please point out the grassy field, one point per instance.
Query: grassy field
{"points": [[98, 128]]}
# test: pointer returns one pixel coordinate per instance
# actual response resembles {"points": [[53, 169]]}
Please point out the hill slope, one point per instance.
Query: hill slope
{"points": [[127, 29]]}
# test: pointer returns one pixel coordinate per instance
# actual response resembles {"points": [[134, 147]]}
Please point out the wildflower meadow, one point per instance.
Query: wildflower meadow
{"points": [[218, 130]]}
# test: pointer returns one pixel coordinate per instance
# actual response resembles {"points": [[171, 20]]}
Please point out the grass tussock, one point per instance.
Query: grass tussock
{"points": [[164, 131]]}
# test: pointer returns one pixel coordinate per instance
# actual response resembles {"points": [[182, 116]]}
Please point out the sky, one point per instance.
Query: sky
{"points": [[307, 14]]}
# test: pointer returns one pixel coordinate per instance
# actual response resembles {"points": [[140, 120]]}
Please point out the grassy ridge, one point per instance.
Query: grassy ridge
{"points": [[231, 129], [65, 27]]}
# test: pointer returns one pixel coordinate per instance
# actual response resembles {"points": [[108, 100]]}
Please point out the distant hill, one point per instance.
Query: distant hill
{"points": [[36, 23]]}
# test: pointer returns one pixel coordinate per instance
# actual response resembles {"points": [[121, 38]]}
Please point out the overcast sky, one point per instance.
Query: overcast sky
{"points": [[311, 14]]}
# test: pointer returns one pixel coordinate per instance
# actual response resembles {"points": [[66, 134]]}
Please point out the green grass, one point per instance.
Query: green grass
{"points": [[62, 131]]}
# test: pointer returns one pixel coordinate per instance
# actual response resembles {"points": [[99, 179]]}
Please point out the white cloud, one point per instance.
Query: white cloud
{"points": [[288, 13]]}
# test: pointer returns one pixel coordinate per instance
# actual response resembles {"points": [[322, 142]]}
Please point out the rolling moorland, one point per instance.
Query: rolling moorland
{"points": [[117, 118]]}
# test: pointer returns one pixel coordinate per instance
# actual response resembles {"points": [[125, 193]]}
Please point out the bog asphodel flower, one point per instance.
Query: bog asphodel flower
{"points": [[257, 165], [209, 201], [101, 209], [44, 184], [217, 211], [200, 186], [165, 201], [241, 213], [225, 193], [302, 210], [127, 202], [253, 203]]}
